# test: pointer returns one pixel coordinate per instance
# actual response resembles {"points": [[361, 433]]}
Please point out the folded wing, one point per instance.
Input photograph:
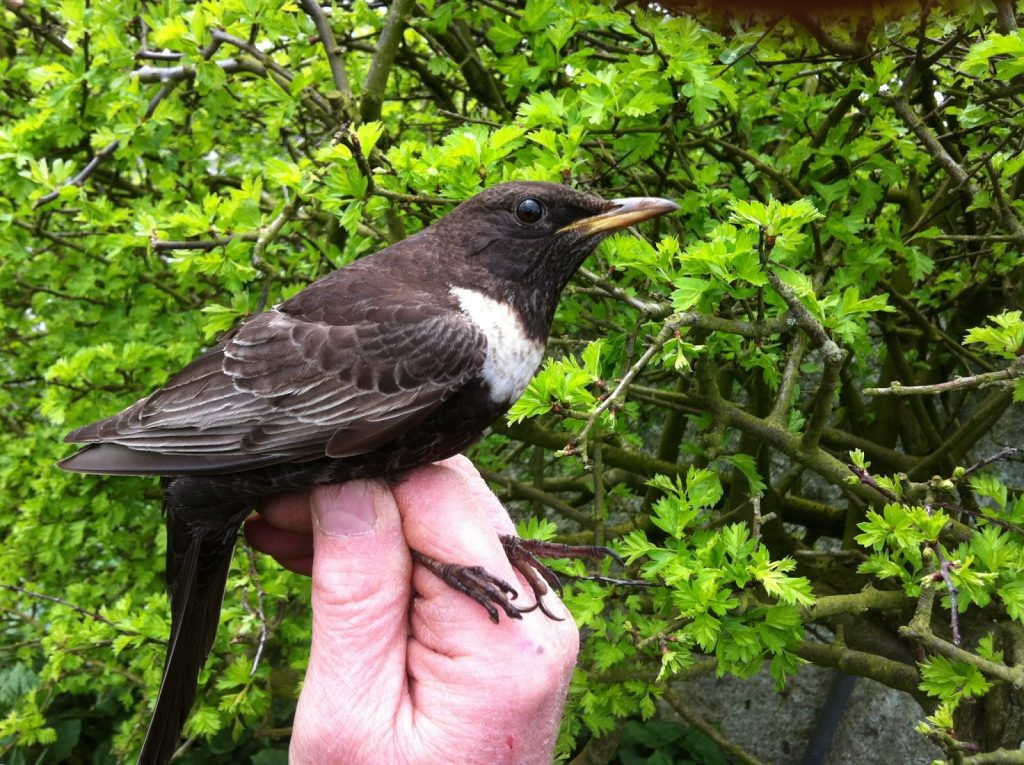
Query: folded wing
{"points": [[287, 388]]}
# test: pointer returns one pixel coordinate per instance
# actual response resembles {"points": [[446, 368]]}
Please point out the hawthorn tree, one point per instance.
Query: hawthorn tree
{"points": [[784, 408]]}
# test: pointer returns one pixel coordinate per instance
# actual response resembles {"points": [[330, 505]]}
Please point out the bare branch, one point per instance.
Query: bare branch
{"points": [[39, 28], [82, 176], [275, 71], [154, 102], [527, 491], [1005, 452], [1012, 372], [165, 74], [258, 610], [960, 441], [932, 144], [1013, 675], [945, 569], [158, 55], [422, 199], [333, 52], [833, 355], [895, 674], [667, 331], [790, 379], [655, 310], [268, 233], [205, 245], [694, 719], [77, 609]]}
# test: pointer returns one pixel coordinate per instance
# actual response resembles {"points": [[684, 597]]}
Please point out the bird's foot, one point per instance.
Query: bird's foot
{"points": [[522, 554], [487, 590]]}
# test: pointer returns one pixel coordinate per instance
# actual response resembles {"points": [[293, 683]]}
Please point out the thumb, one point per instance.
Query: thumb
{"points": [[360, 594]]}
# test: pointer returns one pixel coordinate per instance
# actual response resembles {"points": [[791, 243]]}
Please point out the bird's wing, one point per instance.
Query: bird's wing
{"points": [[284, 388]]}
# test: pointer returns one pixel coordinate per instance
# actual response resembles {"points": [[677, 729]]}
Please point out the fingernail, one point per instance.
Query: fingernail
{"points": [[345, 510]]}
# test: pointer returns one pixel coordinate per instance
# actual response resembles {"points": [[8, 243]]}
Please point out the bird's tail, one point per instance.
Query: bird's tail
{"points": [[198, 560]]}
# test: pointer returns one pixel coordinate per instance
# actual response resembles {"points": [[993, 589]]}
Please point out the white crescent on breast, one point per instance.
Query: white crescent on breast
{"points": [[512, 356]]}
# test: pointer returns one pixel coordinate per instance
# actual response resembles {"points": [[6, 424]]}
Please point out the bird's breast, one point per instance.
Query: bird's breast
{"points": [[512, 354]]}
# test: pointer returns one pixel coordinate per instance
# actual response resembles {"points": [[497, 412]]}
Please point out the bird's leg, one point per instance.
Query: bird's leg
{"points": [[522, 554], [475, 582]]}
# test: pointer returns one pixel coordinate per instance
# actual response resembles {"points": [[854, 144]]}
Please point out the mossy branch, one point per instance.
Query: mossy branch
{"points": [[894, 674], [383, 60], [868, 599]]}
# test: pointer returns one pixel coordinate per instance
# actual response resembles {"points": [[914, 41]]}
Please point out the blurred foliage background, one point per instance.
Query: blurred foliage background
{"points": [[783, 405]]}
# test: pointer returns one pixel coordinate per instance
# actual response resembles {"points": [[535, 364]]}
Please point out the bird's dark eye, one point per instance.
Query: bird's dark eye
{"points": [[529, 211]]}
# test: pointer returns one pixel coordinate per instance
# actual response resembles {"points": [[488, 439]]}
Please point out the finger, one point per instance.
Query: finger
{"points": [[360, 594], [289, 511], [275, 541], [444, 519], [482, 493], [462, 666], [495, 511], [292, 549]]}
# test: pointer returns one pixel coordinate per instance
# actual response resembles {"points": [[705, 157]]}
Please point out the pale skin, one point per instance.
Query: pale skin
{"points": [[404, 669]]}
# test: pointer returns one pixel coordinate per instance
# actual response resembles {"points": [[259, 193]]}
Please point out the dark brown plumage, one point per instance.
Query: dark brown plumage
{"points": [[399, 359]]}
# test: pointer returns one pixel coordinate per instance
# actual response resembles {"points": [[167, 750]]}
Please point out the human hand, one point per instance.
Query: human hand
{"points": [[402, 667]]}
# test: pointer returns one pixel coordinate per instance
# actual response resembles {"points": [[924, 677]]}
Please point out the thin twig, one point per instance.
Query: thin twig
{"points": [[758, 520], [945, 569], [667, 331], [789, 381], [1007, 451], [283, 77], [254, 577], [833, 355], [423, 199], [268, 233], [40, 28], [82, 176], [694, 719], [868, 480], [165, 90], [526, 491], [332, 50], [654, 309], [934, 147], [158, 55], [468, 120], [204, 245], [78, 609], [1013, 675], [1015, 370]]}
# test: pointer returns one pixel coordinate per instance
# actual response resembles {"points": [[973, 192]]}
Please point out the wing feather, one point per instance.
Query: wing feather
{"points": [[283, 387]]}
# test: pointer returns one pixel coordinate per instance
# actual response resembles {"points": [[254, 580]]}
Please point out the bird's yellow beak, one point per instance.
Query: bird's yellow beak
{"points": [[621, 214]]}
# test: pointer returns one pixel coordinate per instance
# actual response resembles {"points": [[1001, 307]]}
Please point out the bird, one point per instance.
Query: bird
{"points": [[396, 360]]}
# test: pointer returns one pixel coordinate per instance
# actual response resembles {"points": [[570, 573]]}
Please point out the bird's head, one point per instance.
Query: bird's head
{"points": [[537, 234]]}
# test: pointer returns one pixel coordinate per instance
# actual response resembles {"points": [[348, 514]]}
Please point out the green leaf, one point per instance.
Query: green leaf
{"points": [[1005, 339], [367, 135], [285, 173], [952, 680]]}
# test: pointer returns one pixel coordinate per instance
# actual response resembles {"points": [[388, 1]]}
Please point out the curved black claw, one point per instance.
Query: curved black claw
{"points": [[559, 550], [474, 581], [536, 574], [522, 554]]}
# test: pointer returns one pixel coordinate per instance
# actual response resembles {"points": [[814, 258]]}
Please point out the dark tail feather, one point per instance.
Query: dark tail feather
{"points": [[198, 561]]}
